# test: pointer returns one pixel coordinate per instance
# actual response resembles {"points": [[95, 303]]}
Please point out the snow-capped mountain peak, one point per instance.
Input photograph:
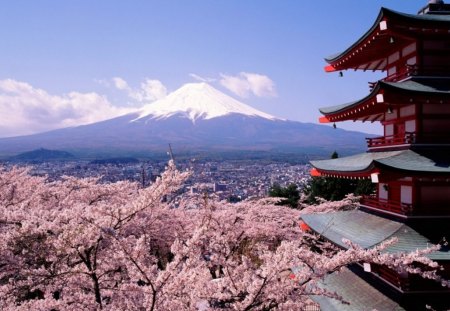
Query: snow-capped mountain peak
{"points": [[198, 100]]}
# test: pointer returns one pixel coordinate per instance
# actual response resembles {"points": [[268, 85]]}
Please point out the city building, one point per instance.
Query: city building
{"points": [[410, 163]]}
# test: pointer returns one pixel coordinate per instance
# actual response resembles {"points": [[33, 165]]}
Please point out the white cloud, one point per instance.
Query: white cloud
{"points": [[149, 90], [121, 84], [202, 79], [152, 90], [25, 109], [245, 84]]}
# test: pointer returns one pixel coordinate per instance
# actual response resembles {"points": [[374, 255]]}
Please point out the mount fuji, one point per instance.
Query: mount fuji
{"points": [[199, 101], [195, 118]]}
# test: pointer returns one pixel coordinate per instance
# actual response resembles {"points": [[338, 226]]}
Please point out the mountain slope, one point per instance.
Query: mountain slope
{"points": [[194, 118]]}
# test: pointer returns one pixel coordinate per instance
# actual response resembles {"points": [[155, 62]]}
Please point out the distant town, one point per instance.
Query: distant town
{"points": [[232, 180]]}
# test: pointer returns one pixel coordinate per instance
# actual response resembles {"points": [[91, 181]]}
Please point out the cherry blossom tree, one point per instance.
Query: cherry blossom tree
{"points": [[77, 244]]}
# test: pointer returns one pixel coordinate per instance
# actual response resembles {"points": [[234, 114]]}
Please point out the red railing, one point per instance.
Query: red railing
{"points": [[414, 70], [391, 276], [392, 140], [381, 204], [416, 209], [440, 70]]}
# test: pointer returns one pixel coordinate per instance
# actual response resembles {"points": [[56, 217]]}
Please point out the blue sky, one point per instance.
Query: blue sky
{"points": [[65, 63]]}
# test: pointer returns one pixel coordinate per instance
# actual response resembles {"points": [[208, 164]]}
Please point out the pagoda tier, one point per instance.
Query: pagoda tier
{"points": [[368, 231], [412, 112], [400, 44], [410, 184], [410, 163]]}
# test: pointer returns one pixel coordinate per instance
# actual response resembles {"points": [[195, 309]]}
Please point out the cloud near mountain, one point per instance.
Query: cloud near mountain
{"points": [[25, 109], [149, 90], [245, 84]]}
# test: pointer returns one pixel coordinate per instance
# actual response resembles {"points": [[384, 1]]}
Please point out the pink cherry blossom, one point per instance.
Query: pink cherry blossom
{"points": [[77, 244]]}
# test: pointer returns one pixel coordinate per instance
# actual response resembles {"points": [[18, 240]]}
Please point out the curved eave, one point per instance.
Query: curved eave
{"points": [[363, 165], [370, 108], [384, 94], [439, 87], [419, 163], [365, 174], [390, 31], [359, 165]]}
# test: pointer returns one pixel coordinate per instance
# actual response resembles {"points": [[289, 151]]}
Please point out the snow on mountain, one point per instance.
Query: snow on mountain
{"points": [[198, 101]]}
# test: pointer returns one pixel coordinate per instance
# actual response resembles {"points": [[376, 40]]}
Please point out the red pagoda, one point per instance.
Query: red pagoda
{"points": [[410, 163]]}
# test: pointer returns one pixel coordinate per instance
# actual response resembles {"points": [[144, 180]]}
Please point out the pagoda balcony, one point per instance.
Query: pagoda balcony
{"points": [[407, 138], [415, 70], [405, 209], [390, 276], [406, 283], [385, 205]]}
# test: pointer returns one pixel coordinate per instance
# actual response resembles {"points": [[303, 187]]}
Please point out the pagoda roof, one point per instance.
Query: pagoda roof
{"points": [[368, 230], [390, 30], [405, 160], [421, 84], [358, 293], [355, 163], [373, 106]]}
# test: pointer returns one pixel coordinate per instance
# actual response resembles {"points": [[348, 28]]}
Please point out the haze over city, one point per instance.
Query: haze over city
{"points": [[71, 63]]}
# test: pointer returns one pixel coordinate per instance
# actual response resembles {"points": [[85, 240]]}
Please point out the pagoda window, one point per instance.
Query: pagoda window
{"points": [[410, 126], [389, 130], [406, 194], [411, 61], [408, 50], [393, 57], [383, 191], [407, 111]]}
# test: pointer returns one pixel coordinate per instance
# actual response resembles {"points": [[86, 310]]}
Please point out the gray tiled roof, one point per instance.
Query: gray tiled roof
{"points": [[409, 160], [406, 160], [427, 85], [426, 18], [368, 230], [360, 295], [337, 108], [422, 17], [354, 163], [423, 85]]}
